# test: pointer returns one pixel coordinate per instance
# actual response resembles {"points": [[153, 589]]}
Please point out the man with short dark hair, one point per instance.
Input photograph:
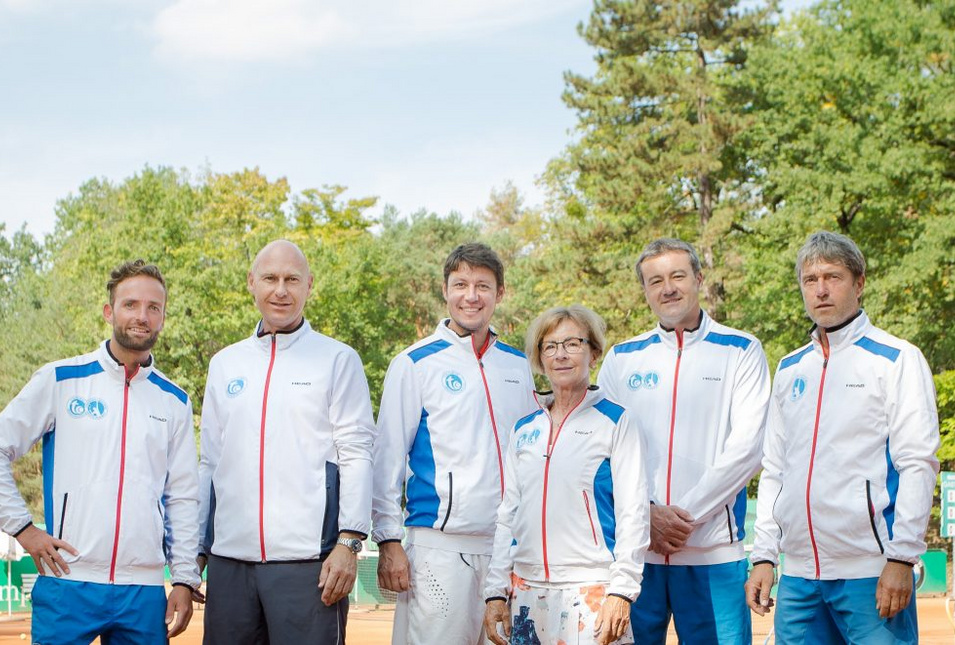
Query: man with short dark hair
{"points": [[287, 435], [698, 390], [447, 410], [849, 467], [120, 482]]}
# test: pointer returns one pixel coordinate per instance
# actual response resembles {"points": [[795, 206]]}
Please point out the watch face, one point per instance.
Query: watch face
{"points": [[352, 543]]}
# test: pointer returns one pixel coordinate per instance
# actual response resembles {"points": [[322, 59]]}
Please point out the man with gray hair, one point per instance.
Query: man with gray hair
{"points": [[699, 391], [849, 467]]}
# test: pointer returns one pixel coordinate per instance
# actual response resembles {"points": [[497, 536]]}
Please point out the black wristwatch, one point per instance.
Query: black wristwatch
{"points": [[353, 544]]}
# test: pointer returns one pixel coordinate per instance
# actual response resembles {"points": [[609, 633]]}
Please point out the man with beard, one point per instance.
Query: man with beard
{"points": [[120, 487], [448, 407], [287, 435]]}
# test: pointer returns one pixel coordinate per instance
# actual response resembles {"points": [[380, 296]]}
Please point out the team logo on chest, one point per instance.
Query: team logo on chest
{"points": [[94, 408], [798, 389], [528, 438], [234, 387], [453, 383], [648, 381]]}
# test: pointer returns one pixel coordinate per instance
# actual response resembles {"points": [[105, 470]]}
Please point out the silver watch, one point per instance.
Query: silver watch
{"points": [[354, 544]]}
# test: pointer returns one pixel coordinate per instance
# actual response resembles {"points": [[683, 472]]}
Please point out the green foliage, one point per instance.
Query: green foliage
{"points": [[945, 389]]}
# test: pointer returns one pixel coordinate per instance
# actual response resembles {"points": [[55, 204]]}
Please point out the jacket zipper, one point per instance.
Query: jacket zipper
{"points": [[450, 499], [551, 444], [812, 455], [122, 475], [265, 405], [479, 354], [590, 517], [729, 522], [676, 381], [59, 536], [875, 532]]}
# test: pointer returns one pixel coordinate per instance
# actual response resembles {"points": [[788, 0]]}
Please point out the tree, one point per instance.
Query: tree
{"points": [[656, 122], [853, 131]]}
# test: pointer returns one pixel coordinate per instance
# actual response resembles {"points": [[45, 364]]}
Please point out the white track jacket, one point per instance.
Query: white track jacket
{"points": [[850, 467], [581, 515], [286, 448], [445, 413], [700, 398], [119, 469]]}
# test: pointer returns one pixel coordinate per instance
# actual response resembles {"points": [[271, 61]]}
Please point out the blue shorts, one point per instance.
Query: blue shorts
{"points": [[707, 602], [838, 611], [67, 612]]}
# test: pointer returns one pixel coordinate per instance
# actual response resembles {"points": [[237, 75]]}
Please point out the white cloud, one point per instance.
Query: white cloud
{"points": [[249, 30]]}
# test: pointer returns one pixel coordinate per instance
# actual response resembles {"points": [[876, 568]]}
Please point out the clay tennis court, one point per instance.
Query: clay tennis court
{"points": [[368, 626]]}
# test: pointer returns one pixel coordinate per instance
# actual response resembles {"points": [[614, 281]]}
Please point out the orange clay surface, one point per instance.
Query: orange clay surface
{"points": [[368, 626]]}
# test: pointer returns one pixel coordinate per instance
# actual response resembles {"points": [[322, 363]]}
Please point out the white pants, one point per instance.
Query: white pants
{"points": [[445, 603]]}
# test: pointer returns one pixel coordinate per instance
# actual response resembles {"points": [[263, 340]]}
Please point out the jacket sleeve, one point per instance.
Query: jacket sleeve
{"points": [[181, 502], [498, 581], [353, 431], [29, 416], [913, 440], [210, 450], [398, 419], [631, 507], [738, 460], [768, 534]]}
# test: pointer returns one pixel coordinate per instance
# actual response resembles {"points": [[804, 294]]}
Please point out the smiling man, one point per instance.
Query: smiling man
{"points": [[119, 487], [447, 410], [285, 472], [699, 391], [849, 468]]}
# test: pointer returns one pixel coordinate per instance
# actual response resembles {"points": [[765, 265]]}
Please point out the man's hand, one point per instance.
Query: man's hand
{"points": [[393, 567], [42, 547], [338, 574], [670, 527], [178, 610], [894, 590], [496, 612], [612, 620], [760, 583]]}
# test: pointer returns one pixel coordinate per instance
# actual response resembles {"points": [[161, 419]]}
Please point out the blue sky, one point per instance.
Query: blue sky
{"points": [[424, 103]]}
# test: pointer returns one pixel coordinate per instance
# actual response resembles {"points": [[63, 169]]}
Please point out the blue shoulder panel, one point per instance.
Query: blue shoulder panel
{"points": [[167, 386], [609, 409], [504, 347], [523, 421], [727, 340], [878, 349], [789, 361], [427, 350], [65, 372], [636, 345]]}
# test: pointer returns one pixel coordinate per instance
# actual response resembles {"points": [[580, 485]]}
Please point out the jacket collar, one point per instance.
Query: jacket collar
{"points": [[117, 370], [593, 395], [446, 333], [843, 335], [283, 339], [690, 336]]}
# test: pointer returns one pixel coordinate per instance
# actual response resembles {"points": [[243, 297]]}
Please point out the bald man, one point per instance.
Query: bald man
{"points": [[285, 471]]}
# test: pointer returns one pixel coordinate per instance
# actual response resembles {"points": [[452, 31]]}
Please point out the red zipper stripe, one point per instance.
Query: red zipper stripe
{"points": [[551, 444], [122, 476], [676, 381], [589, 516], [265, 405], [812, 454], [490, 406]]}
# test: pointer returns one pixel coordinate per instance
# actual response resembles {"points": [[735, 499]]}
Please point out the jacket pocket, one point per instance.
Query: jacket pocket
{"points": [[66, 497], [590, 517], [447, 514], [875, 530], [142, 531]]}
